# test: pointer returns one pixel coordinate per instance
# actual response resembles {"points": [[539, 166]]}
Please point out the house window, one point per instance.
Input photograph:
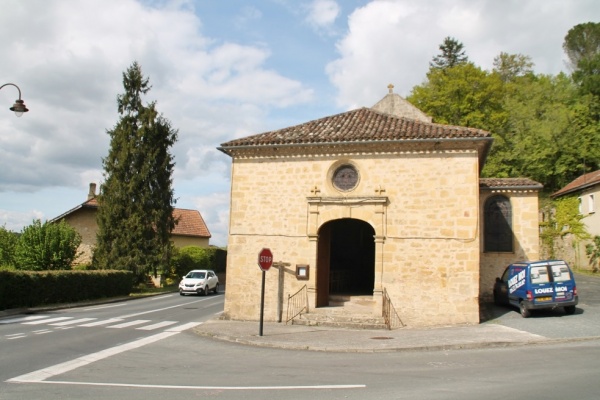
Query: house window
{"points": [[591, 204], [497, 220]]}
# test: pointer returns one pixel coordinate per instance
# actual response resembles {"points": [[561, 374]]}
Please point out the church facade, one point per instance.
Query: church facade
{"points": [[372, 201]]}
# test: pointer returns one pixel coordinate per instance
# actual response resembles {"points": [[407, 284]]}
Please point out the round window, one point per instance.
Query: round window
{"points": [[345, 178]]}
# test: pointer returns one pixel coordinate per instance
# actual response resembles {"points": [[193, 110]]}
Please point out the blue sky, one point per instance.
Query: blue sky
{"points": [[223, 69]]}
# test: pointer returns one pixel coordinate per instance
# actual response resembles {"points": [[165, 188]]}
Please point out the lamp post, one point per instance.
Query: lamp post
{"points": [[19, 106]]}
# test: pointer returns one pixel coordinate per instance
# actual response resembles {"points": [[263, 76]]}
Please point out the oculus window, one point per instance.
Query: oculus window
{"points": [[345, 178]]}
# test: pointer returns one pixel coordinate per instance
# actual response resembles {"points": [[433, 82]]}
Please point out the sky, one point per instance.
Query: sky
{"points": [[221, 70]]}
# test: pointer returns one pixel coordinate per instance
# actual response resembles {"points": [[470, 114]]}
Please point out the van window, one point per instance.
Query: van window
{"points": [[560, 273], [539, 275]]}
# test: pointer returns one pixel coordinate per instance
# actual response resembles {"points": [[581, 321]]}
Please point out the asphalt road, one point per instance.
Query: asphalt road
{"points": [[149, 355], [42, 339]]}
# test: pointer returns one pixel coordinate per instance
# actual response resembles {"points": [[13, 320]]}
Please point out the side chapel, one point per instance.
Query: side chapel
{"points": [[372, 201]]}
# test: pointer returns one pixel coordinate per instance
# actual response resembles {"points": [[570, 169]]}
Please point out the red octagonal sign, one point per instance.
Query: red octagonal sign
{"points": [[265, 259]]}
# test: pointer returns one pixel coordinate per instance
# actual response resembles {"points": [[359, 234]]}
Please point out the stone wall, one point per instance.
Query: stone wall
{"points": [[424, 208], [525, 224]]}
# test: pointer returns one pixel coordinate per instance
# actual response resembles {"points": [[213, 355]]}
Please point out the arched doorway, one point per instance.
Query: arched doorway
{"points": [[345, 259]]}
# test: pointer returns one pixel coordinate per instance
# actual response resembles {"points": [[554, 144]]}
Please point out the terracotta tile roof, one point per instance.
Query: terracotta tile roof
{"points": [[361, 125], [190, 222], [583, 182], [509, 183]]}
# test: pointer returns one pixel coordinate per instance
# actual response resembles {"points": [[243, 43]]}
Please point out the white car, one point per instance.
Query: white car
{"points": [[199, 281]]}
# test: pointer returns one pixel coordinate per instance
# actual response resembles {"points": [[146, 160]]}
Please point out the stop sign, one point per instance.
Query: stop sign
{"points": [[265, 259]]}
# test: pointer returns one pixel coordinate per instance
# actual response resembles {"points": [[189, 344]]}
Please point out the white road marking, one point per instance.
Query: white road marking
{"points": [[183, 327], [46, 373], [130, 323], [15, 336], [165, 308], [156, 326], [42, 332], [73, 322], [101, 307], [21, 319], [45, 321], [134, 385], [102, 322]]}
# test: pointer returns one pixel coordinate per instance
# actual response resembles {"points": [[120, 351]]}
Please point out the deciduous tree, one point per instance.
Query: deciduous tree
{"points": [[47, 246]]}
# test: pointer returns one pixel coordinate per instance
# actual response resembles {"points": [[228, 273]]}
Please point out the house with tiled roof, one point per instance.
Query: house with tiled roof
{"points": [[587, 189], [190, 228], [372, 207]]}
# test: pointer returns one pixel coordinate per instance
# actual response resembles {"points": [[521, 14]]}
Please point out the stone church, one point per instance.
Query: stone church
{"points": [[373, 203]]}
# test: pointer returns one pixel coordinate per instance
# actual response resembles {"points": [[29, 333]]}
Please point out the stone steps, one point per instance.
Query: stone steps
{"points": [[354, 312]]}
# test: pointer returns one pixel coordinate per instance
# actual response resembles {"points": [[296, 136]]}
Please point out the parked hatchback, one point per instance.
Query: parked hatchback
{"points": [[199, 281], [535, 285]]}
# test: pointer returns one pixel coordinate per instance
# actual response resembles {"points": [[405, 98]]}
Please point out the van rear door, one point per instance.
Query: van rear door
{"points": [[563, 282], [541, 285]]}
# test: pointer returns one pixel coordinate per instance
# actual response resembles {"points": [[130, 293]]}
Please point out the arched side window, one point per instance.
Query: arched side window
{"points": [[497, 220]]}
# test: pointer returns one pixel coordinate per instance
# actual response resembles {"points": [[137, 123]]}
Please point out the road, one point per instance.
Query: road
{"points": [[32, 342], [149, 354]]}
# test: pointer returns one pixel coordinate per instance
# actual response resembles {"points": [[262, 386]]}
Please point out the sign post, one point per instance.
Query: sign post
{"points": [[265, 260]]}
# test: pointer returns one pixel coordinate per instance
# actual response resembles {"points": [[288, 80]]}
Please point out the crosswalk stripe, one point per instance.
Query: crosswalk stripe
{"points": [[156, 326], [102, 322], [130, 323], [183, 327], [45, 321], [73, 322], [22, 319], [85, 322]]}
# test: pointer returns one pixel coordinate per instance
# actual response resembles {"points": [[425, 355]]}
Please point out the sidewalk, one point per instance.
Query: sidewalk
{"points": [[300, 337]]}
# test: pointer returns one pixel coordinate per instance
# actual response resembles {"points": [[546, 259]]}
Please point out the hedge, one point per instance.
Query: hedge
{"points": [[36, 288]]}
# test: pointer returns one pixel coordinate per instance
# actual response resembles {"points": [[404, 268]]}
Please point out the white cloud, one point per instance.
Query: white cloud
{"points": [[393, 41], [322, 13]]}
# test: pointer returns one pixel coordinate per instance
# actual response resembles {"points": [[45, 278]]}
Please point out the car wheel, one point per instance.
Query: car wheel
{"points": [[497, 299], [570, 310], [217, 288], [181, 294], [525, 313], [206, 290]]}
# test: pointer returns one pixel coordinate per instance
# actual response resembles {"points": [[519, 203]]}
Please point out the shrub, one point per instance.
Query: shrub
{"points": [[35, 288], [188, 258]]}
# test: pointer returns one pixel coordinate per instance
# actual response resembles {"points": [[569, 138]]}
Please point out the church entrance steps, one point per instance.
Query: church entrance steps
{"points": [[355, 312]]}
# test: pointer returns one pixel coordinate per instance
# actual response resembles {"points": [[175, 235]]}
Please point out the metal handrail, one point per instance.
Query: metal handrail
{"points": [[390, 316], [296, 304]]}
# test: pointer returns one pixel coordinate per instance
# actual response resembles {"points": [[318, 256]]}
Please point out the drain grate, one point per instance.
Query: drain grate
{"points": [[381, 338]]}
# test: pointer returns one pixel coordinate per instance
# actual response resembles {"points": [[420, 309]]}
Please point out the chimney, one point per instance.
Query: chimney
{"points": [[92, 192]]}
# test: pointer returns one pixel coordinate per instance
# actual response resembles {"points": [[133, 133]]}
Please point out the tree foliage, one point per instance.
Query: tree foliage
{"points": [[582, 42], [462, 95], [544, 128], [512, 66], [452, 54], [47, 246], [135, 213], [563, 219], [8, 245], [593, 252]]}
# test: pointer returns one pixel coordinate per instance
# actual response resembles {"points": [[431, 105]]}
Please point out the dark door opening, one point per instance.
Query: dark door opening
{"points": [[347, 251]]}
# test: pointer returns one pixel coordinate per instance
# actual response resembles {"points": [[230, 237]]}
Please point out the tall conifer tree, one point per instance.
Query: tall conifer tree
{"points": [[452, 54], [135, 213]]}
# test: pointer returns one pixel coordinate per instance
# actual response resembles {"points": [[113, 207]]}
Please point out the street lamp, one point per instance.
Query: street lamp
{"points": [[19, 106]]}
